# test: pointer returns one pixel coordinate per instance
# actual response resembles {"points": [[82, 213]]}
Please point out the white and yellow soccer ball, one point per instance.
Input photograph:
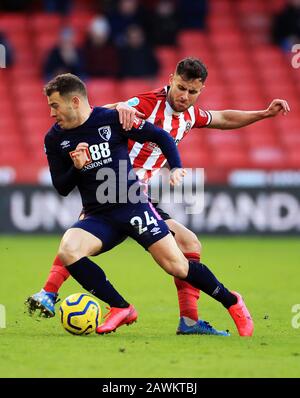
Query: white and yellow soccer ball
{"points": [[80, 314]]}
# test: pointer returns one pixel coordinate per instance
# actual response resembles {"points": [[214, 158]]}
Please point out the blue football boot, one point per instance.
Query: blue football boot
{"points": [[200, 327], [43, 301]]}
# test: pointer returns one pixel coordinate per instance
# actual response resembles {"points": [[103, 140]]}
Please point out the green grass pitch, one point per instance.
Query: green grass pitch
{"points": [[265, 271]]}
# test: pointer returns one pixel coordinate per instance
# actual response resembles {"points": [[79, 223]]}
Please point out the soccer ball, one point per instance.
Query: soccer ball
{"points": [[80, 314]]}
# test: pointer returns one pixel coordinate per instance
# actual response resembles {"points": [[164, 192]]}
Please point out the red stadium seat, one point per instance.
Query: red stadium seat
{"points": [[191, 39], [34, 106], [131, 87], [20, 72], [221, 7], [199, 157], [268, 157], [195, 139], [35, 126], [6, 107], [41, 22], [28, 174], [226, 21], [221, 140], [243, 102], [13, 22], [225, 41], [268, 55], [230, 158], [168, 58], [44, 43], [23, 57], [80, 22], [245, 90], [293, 158], [276, 5], [251, 7], [9, 140], [270, 75], [102, 91], [29, 89], [239, 74], [214, 98], [240, 59], [261, 139], [290, 139], [10, 157], [19, 40]]}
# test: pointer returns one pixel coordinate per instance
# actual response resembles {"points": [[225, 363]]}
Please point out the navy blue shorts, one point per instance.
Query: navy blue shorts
{"points": [[140, 221]]}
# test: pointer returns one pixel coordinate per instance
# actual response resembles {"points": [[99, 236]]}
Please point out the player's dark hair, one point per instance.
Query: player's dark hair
{"points": [[191, 68], [65, 84]]}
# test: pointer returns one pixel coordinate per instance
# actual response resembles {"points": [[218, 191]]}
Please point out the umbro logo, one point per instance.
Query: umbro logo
{"points": [[155, 230], [65, 144]]}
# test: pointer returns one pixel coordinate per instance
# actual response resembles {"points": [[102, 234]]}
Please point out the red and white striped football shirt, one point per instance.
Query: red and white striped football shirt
{"points": [[147, 157]]}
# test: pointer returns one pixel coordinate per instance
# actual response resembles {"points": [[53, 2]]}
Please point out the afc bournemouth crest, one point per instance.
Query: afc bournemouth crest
{"points": [[105, 132]]}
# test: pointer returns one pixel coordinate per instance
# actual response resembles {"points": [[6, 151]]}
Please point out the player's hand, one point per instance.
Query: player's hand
{"points": [[177, 176], [277, 106], [127, 114], [79, 156]]}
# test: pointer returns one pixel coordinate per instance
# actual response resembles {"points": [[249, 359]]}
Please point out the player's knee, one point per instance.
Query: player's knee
{"points": [[189, 243], [69, 252]]}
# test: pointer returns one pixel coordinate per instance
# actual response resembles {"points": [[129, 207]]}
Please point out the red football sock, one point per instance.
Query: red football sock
{"points": [[187, 294], [58, 274]]}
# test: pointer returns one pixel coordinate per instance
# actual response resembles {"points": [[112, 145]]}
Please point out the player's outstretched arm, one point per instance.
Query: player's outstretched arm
{"points": [[233, 119]]}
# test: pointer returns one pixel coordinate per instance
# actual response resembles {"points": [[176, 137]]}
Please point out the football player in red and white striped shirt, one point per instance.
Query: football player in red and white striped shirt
{"points": [[173, 109]]}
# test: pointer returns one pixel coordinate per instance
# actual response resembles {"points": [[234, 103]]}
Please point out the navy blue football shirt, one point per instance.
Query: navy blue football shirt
{"points": [[108, 145]]}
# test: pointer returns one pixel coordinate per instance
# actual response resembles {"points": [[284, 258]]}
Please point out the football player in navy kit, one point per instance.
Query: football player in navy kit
{"points": [[86, 142]]}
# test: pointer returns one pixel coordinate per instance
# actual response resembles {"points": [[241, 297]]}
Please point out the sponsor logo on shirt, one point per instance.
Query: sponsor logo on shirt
{"points": [[133, 101]]}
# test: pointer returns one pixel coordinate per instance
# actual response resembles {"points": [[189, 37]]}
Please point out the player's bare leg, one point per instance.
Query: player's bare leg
{"points": [[76, 245]]}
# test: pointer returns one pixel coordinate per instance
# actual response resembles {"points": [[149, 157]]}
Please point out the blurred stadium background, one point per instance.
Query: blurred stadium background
{"points": [[252, 175]]}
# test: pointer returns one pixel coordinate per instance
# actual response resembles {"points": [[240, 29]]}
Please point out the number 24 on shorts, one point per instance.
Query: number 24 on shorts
{"points": [[139, 222]]}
